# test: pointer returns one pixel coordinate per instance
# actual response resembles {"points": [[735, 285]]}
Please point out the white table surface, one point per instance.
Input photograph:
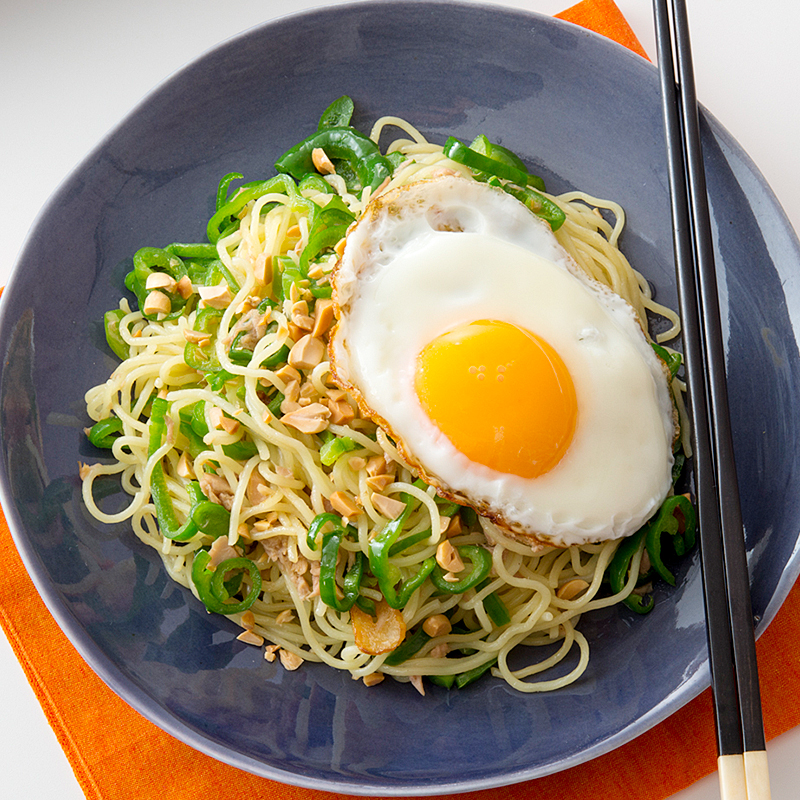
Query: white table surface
{"points": [[69, 71]]}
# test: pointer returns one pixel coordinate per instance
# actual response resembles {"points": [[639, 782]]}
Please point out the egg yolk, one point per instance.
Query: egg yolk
{"points": [[500, 394]]}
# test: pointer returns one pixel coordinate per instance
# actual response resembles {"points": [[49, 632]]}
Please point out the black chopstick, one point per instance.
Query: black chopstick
{"points": [[741, 744]]}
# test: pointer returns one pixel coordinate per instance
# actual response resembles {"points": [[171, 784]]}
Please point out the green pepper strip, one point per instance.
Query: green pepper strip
{"points": [[331, 451], [211, 583], [167, 522], [666, 522], [672, 360], [224, 185], [497, 152], [495, 608], [540, 205], [204, 358], [327, 574], [472, 675], [502, 168], [389, 577], [359, 151], [408, 648], [330, 554], [338, 114], [240, 198], [481, 565], [210, 518], [104, 433], [317, 524], [148, 260], [111, 321], [193, 250], [618, 573]]}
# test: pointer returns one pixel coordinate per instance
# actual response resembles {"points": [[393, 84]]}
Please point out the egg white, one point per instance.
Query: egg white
{"points": [[437, 254]]}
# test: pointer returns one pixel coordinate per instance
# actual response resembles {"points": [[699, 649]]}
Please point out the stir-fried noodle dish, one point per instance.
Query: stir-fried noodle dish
{"points": [[400, 414]]}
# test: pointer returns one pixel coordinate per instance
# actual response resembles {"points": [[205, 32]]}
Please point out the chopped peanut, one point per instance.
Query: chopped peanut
{"points": [[437, 625], [301, 317], [184, 287], [323, 316], [196, 337], [160, 280], [287, 615], [218, 296], [571, 589], [356, 463], [416, 682], [321, 162], [373, 679], [379, 634], [308, 391], [388, 506], [454, 527], [343, 504], [247, 620], [307, 352], [249, 637], [219, 419], [379, 482], [287, 374], [269, 652], [378, 465], [308, 419], [290, 660], [263, 268], [447, 557], [341, 412], [257, 488], [157, 303], [184, 468]]}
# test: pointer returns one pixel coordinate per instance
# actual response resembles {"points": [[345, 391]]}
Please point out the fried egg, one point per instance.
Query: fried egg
{"points": [[507, 377]]}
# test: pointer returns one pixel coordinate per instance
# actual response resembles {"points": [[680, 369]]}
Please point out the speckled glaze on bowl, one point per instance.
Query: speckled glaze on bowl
{"points": [[583, 112]]}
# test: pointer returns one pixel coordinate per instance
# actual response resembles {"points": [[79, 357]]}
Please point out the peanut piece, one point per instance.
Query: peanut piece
{"points": [[343, 504], [308, 419], [323, 316], [437, 625], [388, 506], [321, 162], [306, 353], [447, 557], [571, 589], [157, 303]]}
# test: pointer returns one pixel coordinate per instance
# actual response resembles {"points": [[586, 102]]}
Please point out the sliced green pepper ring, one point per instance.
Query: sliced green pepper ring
{"points": [[481, 561], [327, 574], [211, 583], [318, 523], [104, 433], [345, 143], [679, 526], [396, 591], [619, 568], [503, 167]]}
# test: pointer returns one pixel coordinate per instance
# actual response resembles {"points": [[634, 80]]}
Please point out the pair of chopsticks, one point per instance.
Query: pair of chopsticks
{"points": [[743, 770]]}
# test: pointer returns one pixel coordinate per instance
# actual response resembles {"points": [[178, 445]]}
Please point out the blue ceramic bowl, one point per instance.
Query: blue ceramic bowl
{"points": [[583, 112]]}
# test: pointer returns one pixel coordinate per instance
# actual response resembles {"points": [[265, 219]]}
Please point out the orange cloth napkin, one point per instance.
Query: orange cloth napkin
{"points": [[117, 754]]}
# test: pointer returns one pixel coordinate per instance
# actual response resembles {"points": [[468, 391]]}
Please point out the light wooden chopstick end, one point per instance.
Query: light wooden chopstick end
{"points": [[732, 784], [744, 777], [756, 773]]}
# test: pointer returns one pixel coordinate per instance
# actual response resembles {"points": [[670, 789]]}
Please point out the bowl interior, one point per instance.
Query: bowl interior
{"points": [[584, 113]]}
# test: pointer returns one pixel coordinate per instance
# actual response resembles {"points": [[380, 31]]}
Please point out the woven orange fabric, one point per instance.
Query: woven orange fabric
{"points": [[604, 17], [117, 754]]}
